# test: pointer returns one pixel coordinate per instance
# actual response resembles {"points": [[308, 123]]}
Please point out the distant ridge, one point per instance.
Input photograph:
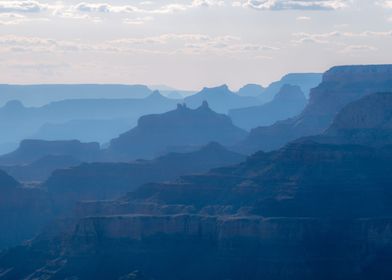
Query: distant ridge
{"points": [[82, 119], [31, 150], [221, 99], [287, 103], [41, 94]]}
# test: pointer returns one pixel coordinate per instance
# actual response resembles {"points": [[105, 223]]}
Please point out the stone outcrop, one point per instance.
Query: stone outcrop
{"points": [[367, 121], [340, 86], [157, 134]]}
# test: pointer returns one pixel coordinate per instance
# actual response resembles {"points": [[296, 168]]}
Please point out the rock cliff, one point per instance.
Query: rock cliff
{"points": [[156, 134], [340, 86]]}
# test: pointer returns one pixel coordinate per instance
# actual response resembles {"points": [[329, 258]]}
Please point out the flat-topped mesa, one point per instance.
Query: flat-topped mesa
{"points": [[221, 89], [31, 150], [358, 73], [344, 84]]}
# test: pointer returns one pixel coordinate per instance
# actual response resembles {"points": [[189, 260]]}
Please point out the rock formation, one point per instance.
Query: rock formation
{"points": [[23, 211], [367, 121], [33, 150], [287, 103], [103, 181], [80, 119], [340, 86], [156, 134]]}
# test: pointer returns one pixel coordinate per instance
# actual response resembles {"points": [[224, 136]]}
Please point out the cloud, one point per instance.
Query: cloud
{"points": [[195, 44], [165, 44], [138, 20], [303, 18], [294, 4], [323, 38], [207, 3], [357, 48], [14, 19], [23, 6], [104, 8], [319, 38], [164, 9], [386, 3]]}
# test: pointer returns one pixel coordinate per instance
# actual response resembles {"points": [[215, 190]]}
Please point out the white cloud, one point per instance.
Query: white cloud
{"points": [[207, 3], [323, 38], [303, 18], [165, 44], [358, 48], [319, 38], [164, 9], [11, 18], [14, 19], [295, 4], [386, 3], [138, 20], [25, 6], [104, 8]]}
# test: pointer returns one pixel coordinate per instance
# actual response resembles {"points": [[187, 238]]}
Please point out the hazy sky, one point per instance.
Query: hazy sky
{"points": [[187, 44]]}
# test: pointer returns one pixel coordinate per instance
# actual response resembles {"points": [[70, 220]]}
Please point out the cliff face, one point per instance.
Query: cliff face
{"points": [[40, 170], [23, 212], [288, 102], [367, 121], [98, 181], [340, 86], [156, 134], [370, 112], [6, 181], [289, 214], [309, 210]]}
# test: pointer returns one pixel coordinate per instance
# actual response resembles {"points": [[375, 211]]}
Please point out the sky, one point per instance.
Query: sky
{"points": [[187, 44]]}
